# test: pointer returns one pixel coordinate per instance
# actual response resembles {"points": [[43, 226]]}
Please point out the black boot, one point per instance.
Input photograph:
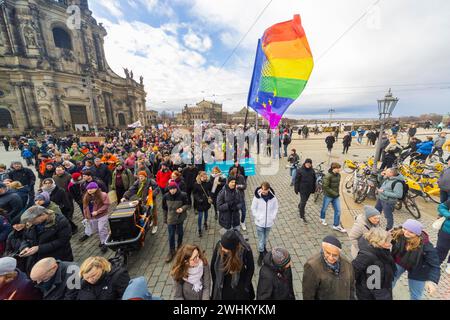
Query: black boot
{"points": [[260, 258], [200, 233], [170, 256], [205, 226]]}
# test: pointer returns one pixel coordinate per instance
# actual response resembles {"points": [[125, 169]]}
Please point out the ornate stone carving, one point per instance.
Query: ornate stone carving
{"points": [[41, 93], [67, 55], [30, 36]]}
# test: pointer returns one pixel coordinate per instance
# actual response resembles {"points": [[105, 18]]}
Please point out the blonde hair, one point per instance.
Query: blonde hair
{"points": [[377, 237], [16, 185], [411, 243], [199, 176], [95, 262], [216, 170]]}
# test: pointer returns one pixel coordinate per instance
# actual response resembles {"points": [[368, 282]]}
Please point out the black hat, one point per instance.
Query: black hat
{"points": [[333, 241], [308, 161], [230, 240], [280, 257], [231, 178]]}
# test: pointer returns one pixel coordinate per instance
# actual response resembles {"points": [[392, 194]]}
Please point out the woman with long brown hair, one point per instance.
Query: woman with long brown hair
{"points": [[191, 274], [413, 252], [232, 268], [95, 210]]}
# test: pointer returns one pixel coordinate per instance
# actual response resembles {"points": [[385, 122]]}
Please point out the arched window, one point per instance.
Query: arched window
{"points": [[62, 38], [5, 118], [122, 121]]}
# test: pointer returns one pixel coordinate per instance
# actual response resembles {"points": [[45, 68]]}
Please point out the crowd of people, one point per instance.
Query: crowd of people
{"points": [[79, 181]]}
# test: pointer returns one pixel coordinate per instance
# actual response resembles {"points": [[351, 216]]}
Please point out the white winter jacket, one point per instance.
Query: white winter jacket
{"points": [[264, 213]]}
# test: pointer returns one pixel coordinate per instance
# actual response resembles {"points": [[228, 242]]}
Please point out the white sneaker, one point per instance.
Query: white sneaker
{"points": [[244, 227], [340, 229], [448, 268], [323, 221], [154, 229]]}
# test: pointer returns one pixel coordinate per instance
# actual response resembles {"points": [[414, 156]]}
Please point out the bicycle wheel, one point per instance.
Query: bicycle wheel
{"points": [[318, 193], [434, 198], [349, 182], [411, 206], [347, 169], [360, 192]]}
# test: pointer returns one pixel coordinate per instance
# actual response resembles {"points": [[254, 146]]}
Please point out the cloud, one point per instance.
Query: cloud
{"points": [[193, 41], [228, 39], [158, 7], [112, 6]]}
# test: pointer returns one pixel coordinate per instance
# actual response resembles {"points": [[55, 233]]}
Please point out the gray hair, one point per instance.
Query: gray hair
{"points": [[377, 237]]}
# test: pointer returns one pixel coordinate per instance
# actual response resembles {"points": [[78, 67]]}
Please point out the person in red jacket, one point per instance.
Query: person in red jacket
{"points": [[163, 176]]}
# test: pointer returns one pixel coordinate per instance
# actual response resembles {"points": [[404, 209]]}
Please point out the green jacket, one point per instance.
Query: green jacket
{"points": [[331, 183], [127, 179]]}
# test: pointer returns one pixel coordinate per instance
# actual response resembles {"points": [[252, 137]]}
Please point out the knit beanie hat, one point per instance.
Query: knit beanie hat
{"points": [[76, 176], [413, 226], [308, 161], [333, 241], [230, 240], [371, 212], [172, 185], [231, 178], [43, 196], [92, 185], [280, 257]]}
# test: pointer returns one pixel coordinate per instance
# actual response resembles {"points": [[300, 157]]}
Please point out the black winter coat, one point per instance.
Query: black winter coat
{"points": [[53, 241], [201, 194], [25, 176], [273, 284], [305, 181], [189, 176], [61, 198], [347, 141], [102, 172], [111, 286], [368, 256], [330, 140], [59, 290], [228, 202], [11, 202], [221, 282]]}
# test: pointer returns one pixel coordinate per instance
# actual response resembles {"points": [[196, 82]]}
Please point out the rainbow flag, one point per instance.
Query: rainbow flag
{"points": [[283, 65]]}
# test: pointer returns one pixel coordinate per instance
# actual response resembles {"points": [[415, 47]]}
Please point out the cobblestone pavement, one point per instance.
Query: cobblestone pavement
{"points": [[289, 231]]}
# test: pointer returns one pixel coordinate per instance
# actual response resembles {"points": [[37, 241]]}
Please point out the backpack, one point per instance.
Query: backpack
{"points": [[405, 188], [287, 139]]}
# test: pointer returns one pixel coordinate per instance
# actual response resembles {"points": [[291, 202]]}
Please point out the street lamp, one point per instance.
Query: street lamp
{"points": [[331, 111], [385, 109]]}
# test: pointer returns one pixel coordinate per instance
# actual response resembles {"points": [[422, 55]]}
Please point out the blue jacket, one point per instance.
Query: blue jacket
{"points": [[425, 147], [444, 211], [5, 229]]}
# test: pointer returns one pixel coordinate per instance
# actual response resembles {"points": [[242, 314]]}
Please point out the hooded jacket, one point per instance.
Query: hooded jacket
{"points": [[362, 225], [25, 176], [425, 148], [273, 283], [393, 191], [228, 202], [367, 258], [305, 181], [331, 183], [170, 204], [265, 209]]}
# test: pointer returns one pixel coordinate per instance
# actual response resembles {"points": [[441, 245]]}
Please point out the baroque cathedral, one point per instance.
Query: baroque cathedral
{"points": [[54, 74]]}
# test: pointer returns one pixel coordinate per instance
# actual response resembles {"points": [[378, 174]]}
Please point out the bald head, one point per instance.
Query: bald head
{"points": [[44, 270]]}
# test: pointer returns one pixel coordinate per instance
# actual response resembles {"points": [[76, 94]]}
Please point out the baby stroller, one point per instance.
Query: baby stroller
{"points": [[129, 224]]}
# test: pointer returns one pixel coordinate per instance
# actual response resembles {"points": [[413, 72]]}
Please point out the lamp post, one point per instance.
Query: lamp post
{"points": [[331, 111], [385, 109]]}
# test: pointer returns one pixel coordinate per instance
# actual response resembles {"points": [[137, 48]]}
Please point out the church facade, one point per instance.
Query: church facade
{"points": [[54, 74]]}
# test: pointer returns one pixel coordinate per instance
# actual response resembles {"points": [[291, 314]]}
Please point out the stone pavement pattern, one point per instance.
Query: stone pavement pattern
{"points": [[289, 231]]}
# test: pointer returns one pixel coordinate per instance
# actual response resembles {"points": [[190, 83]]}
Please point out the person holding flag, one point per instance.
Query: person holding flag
{"points": [[146, 190]]}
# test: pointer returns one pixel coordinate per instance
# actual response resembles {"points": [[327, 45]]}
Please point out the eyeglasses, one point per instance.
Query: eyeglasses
{"points": [[331, 255]]}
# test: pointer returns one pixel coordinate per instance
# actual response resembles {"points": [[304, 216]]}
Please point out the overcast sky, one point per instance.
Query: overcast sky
{"points": [[180, 46]]}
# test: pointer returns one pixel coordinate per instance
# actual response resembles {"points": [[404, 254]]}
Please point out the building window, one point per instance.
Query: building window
{"points": [[62, 39], [5, 118], [122, 121]]}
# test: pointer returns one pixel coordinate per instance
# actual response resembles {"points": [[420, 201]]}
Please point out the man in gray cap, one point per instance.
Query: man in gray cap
{"points": [[14, 284], [275, 277], [369, 219], [327, 275], [48, 235]]}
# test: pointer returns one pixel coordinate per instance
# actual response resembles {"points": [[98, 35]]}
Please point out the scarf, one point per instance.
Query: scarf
{"points": [[407, 259], [216, 182], [195, 275], [335, 268], [141, 189], [49, 190]]}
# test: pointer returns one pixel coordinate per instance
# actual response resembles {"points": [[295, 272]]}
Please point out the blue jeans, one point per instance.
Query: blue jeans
{"points": [[444, 196], [263, 235], [388, 209], [336, 206], [172, 229], [200, 219], [285, 149], [293, 174], [415, 287]]}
